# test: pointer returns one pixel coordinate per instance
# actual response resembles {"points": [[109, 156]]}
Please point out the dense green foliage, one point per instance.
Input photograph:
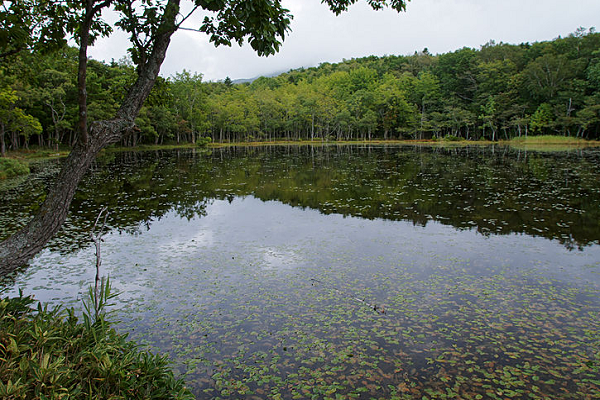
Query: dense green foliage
{"points": [[39, 25], [10, 167], [499, 91], [48, 354]]}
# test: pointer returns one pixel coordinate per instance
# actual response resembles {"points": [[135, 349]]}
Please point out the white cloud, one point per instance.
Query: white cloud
{"points": [[318, 35]]}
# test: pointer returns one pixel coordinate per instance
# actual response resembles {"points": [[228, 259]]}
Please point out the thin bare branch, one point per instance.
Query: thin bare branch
{"points": [[186, 17], [97, 238], [189, 29]]}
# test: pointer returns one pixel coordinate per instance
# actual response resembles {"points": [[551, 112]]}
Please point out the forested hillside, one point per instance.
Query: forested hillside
{"points": [[498, 91]]}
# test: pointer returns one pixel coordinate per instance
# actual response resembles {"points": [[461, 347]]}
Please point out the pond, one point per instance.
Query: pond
{"points": [[326, 272]]}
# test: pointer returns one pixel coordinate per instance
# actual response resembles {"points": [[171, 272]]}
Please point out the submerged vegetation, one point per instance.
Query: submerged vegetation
{"points": [[47, 353], [257, 270]]}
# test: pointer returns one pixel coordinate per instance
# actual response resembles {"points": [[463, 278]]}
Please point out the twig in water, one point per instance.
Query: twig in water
{"points": [[374, 307]]}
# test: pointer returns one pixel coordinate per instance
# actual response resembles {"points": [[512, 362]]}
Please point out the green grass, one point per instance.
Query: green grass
{"points": [[49, 354], [10, 167], [550, 143], [548, 139]]}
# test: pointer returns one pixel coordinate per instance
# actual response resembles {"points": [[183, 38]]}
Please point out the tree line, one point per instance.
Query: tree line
{"points": [[498, 91]]}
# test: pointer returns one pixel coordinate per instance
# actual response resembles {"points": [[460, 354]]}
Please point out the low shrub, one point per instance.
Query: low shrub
{"points": [[203, 141], [452, 138], [10, 167], [47, 353]]}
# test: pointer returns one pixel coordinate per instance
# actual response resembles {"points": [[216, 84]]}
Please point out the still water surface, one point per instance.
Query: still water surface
{"points": [[356, 272]]}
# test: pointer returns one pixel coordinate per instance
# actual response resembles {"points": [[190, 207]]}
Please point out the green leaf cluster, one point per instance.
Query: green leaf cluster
{"points": [[41, 25], [47, 353]]}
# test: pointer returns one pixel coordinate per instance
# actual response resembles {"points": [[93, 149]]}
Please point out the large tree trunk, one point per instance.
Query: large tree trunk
{"points": [[22, 246]]}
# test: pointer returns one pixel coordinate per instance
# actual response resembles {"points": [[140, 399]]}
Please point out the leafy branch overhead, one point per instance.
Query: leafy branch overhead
{"points": [[340, 6], [263, 23], [44, 26]]}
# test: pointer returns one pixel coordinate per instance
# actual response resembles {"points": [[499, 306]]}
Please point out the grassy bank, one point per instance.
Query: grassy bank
{"points": [[33, 154], [550, 139], [10, 167], [550, 143], [17, 162], [546, 142], [49, 354]]}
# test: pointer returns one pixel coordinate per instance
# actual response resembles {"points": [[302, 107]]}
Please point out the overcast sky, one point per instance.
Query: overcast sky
{"points": [[319, 36]]}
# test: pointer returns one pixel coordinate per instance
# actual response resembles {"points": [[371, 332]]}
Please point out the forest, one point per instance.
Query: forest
{"points": [[497, 92]]}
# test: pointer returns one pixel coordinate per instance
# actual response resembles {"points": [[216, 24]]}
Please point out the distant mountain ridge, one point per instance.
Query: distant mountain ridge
{"points": [[250, 80]]}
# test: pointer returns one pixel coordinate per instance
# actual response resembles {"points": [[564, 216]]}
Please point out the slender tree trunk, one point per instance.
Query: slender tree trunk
{"points": [[2, 144], [56, 138], [22, 246], [84, 41], [14, 143]]}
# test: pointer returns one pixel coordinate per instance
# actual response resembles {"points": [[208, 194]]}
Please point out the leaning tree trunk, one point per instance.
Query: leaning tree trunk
{"points": [[22, 246]]}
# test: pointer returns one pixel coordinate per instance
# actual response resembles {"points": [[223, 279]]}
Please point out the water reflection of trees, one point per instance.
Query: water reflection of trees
{"points": [[494, 190]]}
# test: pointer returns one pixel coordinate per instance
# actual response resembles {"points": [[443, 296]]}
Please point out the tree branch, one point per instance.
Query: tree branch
{"points": [[97, 238], [189, 29], [186, 17]]}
